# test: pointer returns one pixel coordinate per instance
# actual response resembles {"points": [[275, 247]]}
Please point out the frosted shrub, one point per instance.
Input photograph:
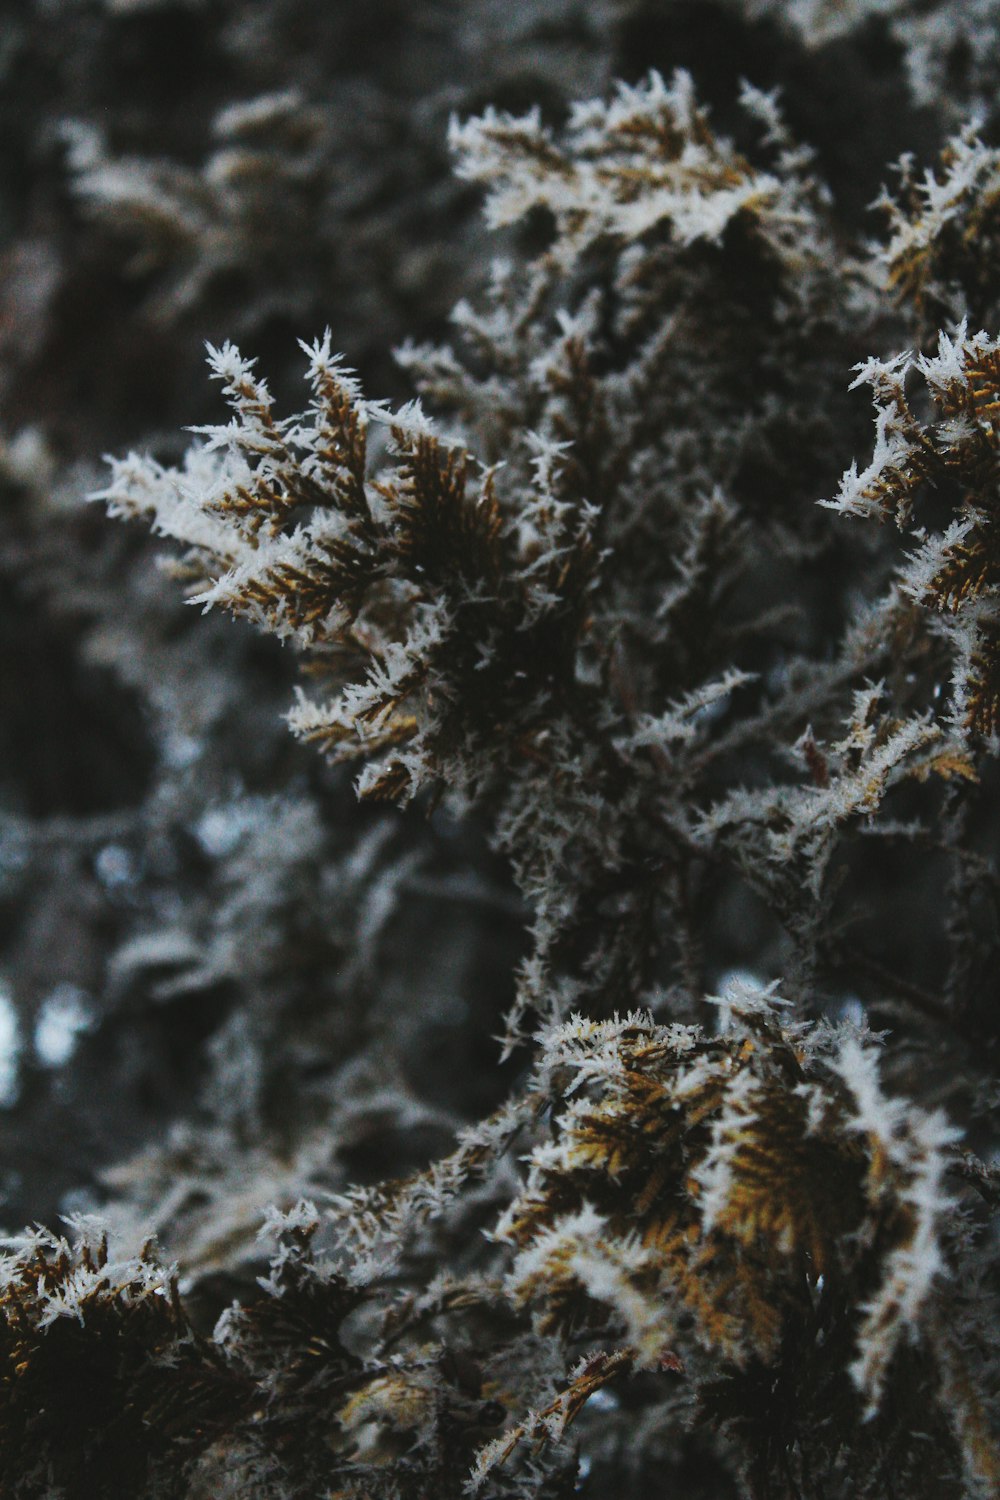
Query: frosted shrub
{"points": [[582, 592]]}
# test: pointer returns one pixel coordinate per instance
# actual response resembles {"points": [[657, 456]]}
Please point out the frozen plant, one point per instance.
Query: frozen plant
{"points": [[733, 1238]]}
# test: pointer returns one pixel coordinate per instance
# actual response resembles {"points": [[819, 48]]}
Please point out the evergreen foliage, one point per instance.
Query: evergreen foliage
{"points": [[727, 1223]]}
